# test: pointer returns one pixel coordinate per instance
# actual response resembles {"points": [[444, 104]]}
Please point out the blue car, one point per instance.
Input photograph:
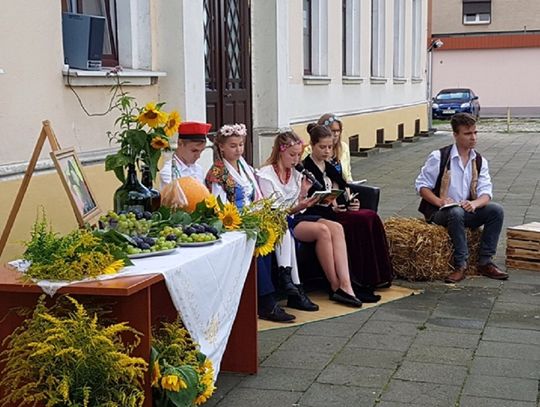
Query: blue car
{"points": [[451, 101]]}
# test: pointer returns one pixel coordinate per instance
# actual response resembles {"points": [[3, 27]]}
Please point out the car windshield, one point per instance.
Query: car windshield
{"points": [[453, 96]]}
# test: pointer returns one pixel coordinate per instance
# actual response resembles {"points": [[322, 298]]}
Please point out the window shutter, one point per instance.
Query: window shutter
{"points": [[476, 6]]}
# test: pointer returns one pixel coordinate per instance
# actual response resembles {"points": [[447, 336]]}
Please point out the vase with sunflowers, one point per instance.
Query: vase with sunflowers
{"points": [[143, 134]]}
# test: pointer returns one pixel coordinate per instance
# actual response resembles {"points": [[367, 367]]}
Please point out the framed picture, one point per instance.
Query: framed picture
{"points": [[80, 195]]}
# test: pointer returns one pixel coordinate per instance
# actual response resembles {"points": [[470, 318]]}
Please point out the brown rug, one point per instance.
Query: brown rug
{"points": [[330, 309]]}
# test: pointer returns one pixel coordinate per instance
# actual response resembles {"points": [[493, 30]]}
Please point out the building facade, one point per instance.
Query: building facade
{"points": [[271, 64], [492, 47]]}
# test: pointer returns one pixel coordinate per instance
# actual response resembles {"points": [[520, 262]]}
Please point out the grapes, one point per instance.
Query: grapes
{"points": [[131, 224], [194, 233]]}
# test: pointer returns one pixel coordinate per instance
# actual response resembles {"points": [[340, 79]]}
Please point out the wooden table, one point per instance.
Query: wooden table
{"points": [[141, 301]]}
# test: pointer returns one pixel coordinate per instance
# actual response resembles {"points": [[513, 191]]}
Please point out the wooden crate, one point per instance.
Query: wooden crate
{"points": [[523, 246]]}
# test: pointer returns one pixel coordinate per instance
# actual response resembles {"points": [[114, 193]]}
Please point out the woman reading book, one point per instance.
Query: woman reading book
{"points": [[364, 231], [279, 178]]}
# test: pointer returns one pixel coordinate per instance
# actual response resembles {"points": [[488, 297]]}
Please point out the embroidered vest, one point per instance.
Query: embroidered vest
{"points": [[425, 207]]}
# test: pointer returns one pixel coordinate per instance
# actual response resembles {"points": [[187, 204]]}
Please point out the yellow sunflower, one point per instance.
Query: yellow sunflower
{"points": [[173, 383], [230, 217], [210, 201], [159, 143], [269, 237], [113, 267], [172, 123], [152, 116], [207, 380]]}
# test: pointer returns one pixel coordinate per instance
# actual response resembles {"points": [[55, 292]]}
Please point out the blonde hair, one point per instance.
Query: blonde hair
{"points": [[326, 120], [282, 141]]}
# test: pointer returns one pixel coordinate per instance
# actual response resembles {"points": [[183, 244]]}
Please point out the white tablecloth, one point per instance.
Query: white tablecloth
{"points": [[205, 285]]}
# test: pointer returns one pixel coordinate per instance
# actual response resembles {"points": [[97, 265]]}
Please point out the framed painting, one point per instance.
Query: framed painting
{"points": [[80, 195]]}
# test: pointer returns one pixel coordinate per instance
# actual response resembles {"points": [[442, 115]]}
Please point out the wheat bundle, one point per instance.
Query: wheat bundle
{"points": [[422, 251]]}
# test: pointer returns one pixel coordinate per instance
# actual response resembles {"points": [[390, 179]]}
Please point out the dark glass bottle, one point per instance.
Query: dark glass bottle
{"points": [[146, 179], [132, 196]]}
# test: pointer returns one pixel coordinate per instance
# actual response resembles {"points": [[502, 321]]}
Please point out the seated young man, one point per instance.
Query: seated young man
{"points": [[458, 176], [191, 144]]}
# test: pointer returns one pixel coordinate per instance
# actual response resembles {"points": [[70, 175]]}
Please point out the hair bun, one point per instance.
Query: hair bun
{"points": [[311, 126]]}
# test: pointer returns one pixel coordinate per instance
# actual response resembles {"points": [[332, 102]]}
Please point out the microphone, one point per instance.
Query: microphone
{"points": [[316, 184]]}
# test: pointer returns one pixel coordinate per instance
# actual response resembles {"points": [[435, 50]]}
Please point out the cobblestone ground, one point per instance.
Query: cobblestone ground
{"points": [[475, 344]]}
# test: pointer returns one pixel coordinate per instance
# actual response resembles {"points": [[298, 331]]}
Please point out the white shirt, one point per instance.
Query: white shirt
{"points": [[285, 194], [185, 170], [244, 179], [460, 175]]}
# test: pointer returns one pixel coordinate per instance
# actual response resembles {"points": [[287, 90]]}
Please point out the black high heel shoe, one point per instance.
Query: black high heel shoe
{"points": [[344, 298]]}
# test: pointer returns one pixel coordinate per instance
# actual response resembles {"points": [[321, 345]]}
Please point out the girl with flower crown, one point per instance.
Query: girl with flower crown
{"points": [[280, 178], [233, 180]]}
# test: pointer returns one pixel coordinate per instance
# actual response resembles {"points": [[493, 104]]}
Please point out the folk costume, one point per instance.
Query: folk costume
{"points": [[367, 247], [446, 176]]}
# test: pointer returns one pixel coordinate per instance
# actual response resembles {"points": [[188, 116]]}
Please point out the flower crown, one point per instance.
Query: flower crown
{"points": [[283, 147], [233, 130], [330, 120]]}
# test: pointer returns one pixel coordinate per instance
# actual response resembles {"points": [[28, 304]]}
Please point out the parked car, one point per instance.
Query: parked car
{"points": [[451, 101]]}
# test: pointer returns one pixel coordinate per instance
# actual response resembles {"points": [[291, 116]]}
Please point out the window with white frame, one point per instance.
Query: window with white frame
{"points": [[127, 39], [399, 38], [378, 12], [351, 38], [476, 11], [315, 37], [416, 70]]}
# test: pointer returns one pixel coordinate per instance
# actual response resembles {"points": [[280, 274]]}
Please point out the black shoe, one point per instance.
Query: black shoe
{"points": [[285, 281], [341, 296], [365, 294], [301, 301], [278, 314], [386, 284]]}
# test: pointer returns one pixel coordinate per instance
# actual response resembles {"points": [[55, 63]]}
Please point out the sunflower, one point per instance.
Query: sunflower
{"points": [[230, 217], [152, 116], [113, 267], [268, 236], [159, 143], [210, 201], [206, 374], [173, 383], [171, 125]]}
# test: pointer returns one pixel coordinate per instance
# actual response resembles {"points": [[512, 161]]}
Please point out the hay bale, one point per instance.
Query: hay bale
{"points": [[423, 252]]}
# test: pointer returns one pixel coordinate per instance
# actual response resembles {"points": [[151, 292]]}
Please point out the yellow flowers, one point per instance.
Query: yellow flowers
{"points": [[114, 267], [159, 143], [266, 241], [173, 383], [211, 203], [152, 116], [230, 217], [172, 123], [156, 374]]}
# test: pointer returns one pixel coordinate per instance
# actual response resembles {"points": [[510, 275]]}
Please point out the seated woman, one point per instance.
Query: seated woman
{"points": [[233, 180], [364, 231], [279, 178]]}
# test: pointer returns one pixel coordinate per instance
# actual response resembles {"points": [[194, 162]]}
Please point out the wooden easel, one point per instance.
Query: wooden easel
{"points": [[47, 133]]}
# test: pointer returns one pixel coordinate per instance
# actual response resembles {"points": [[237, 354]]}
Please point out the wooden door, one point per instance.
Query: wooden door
{"points": [[228, 65]]}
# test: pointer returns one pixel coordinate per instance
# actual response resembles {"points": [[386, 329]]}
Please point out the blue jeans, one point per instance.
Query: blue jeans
{"points": [[456, 219]]}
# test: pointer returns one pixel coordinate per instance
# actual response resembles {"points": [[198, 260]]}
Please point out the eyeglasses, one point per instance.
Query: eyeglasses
{"points": [[330, 120]]}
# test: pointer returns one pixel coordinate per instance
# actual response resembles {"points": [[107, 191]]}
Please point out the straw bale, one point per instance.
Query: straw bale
{"points": [[422, 251]]}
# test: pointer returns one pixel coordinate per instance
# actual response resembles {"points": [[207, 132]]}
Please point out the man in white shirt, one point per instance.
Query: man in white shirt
{"points": [[191, 144], [456, 192]]}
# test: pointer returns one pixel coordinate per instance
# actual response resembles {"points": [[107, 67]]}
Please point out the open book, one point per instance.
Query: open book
{"points": [[449, 205], [327, 197]]}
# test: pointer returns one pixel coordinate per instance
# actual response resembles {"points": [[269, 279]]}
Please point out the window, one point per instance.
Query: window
{"points": [[351, 37], [399, 38], [315, 37], [104, 8], [476, 11], [417, 43], [377, 38], [307, 37]]}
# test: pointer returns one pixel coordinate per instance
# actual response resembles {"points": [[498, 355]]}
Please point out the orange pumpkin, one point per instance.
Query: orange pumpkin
{"points": [[195, 192]]}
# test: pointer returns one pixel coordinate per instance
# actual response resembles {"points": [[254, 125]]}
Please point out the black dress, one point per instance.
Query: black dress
{"points": [[367, 247]]}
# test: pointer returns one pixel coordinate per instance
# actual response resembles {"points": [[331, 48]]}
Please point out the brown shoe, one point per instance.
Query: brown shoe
{"points": [[490, 270], [456, 276]]}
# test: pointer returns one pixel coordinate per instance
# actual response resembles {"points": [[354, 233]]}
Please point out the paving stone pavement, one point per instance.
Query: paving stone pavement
{"points": [[476, 344]]}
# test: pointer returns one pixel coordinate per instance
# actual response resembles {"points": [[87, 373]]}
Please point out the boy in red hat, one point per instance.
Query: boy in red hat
{"points": [[191, 143]]}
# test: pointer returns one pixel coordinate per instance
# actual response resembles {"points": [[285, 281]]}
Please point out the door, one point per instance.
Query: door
{"points": [[228, 65]]}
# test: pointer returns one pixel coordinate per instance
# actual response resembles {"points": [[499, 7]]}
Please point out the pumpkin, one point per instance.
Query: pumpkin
{"points": [[194, 191]]}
